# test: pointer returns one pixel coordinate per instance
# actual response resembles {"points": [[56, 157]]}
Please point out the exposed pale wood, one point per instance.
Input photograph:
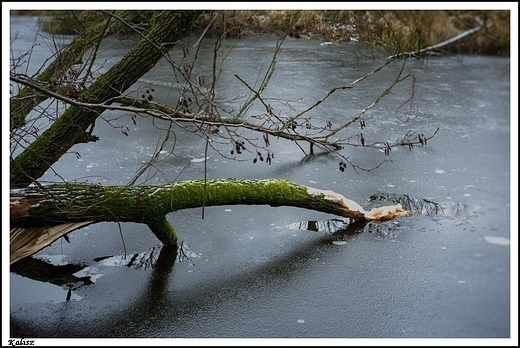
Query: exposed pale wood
{"points": [[27, 241], [354, 210]]}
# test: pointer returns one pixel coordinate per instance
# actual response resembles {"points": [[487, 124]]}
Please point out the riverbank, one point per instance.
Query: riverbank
{"points": [[394, 30]]}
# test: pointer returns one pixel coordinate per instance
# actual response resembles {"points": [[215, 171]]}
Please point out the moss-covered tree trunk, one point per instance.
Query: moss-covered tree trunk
{"points": [[71, 127], [40, 215], [28, 98]]}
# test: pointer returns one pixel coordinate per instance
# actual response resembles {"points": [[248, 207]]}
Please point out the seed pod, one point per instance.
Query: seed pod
{"points": [[269, 109], [200, 80], [422, 138], [187, 69], [185, 50], [266, 139]]}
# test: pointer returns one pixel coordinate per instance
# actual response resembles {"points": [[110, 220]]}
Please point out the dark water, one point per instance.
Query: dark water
{"points": [[263, 272]]}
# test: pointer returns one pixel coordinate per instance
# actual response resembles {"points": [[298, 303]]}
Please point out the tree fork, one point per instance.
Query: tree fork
{"points": [[40, 215], [70, 128], [27, 98]]}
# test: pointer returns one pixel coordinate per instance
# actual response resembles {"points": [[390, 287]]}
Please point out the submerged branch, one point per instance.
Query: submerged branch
{"points": [[441, 44]]}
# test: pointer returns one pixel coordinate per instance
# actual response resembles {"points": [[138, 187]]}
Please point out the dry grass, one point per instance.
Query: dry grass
{"points": [[295, 23], [412, 30], [393, 30]]}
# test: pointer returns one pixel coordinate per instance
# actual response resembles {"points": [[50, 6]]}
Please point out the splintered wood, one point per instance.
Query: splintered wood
{"points": [[27, 241], [352, 209]]}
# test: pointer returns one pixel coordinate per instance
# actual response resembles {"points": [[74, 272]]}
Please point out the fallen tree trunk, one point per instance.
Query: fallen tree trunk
{"points": [[40, 215]]}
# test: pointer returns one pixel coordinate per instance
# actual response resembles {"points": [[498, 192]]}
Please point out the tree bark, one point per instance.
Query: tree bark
{"points": [[40, 215], [28, 98], [71, 127]]}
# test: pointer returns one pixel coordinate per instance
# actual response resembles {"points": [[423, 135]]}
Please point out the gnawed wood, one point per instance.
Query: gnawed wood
{"points": [[40, 215], [354, 210]]}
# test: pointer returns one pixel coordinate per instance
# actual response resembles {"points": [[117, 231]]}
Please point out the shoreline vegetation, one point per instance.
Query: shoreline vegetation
{"points": [[393, 30]]}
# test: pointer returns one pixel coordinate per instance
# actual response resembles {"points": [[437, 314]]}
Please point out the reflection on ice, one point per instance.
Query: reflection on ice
{"points": [[329, 226], [143, 261], [426, 206]]}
